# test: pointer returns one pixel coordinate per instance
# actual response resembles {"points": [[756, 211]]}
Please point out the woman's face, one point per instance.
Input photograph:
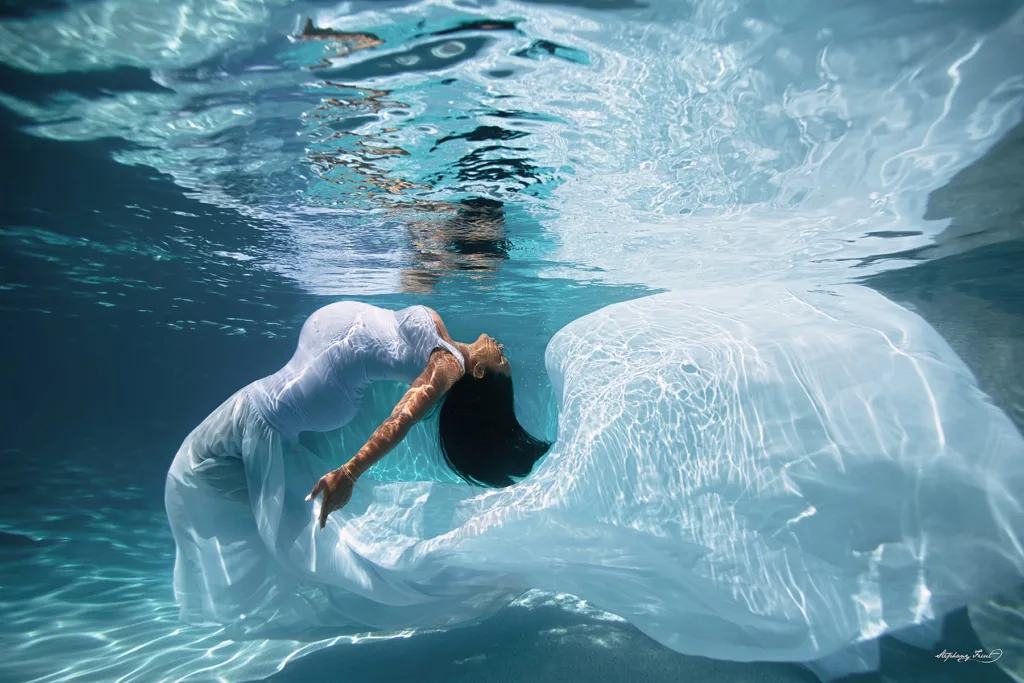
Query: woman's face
{"points": [[490, 355]]}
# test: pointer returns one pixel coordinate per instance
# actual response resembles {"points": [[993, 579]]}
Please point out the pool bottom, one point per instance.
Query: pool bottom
{"points": [[87, 597]]}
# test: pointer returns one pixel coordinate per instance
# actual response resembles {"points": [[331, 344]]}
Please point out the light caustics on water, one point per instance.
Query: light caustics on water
{"points": [[736, 140], [678, 146]]}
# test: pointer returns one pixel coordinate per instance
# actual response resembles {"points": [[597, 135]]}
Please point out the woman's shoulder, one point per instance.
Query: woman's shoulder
{"points": [[438, 322], [418, 311], [425, 319]]}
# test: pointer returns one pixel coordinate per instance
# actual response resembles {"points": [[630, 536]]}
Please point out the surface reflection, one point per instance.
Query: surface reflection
{"points": [[446, 237], [344, 43]]}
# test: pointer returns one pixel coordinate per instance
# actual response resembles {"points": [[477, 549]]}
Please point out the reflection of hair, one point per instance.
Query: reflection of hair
{"points": [[479, 230], [481, 439], [482, 207]]}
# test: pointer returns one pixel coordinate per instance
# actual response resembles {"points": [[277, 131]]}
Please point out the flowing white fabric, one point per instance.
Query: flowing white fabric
{"points": [[249, 554], [759, 473]]}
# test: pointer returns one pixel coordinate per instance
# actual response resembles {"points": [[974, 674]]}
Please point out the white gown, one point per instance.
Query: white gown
{"points": [[248, 552], [760, 473]]}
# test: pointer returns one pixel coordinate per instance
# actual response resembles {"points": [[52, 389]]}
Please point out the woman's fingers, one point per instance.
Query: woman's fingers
{"points": [[327, 505], [332, 499], [325, 510], [316, 490]]}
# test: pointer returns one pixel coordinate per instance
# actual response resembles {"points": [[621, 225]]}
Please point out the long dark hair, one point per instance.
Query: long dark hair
{"points": [[481, 439]]}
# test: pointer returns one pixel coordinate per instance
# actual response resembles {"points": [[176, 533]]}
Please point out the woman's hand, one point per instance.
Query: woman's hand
{"points": [[337, 489]]}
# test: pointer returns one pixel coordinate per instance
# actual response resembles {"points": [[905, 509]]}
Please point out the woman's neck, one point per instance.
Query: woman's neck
{"points": [[464, 349]]}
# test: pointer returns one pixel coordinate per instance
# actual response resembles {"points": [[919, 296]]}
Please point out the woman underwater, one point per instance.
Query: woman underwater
{"points": [[244, 535]]}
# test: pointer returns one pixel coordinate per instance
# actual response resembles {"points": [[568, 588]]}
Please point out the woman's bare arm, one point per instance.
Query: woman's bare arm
{"points": [[441, 373], [443, 370]]}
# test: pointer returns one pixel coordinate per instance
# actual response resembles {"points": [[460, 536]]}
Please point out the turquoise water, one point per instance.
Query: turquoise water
{"points": [[187, 180]]}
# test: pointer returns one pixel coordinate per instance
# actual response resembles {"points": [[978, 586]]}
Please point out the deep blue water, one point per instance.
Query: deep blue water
{"points": [[174, 208]]}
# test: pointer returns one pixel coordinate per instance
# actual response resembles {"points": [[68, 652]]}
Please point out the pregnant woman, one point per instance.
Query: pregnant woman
{"points": [[244, 535], [759, 473]]}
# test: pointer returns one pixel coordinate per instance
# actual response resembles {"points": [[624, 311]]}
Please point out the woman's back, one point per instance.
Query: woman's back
{"points": [[342, 348]]}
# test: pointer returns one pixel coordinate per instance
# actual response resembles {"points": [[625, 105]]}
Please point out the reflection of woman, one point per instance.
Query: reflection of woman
{"points": [[358, 41], [234, 486], [472, 240]]}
